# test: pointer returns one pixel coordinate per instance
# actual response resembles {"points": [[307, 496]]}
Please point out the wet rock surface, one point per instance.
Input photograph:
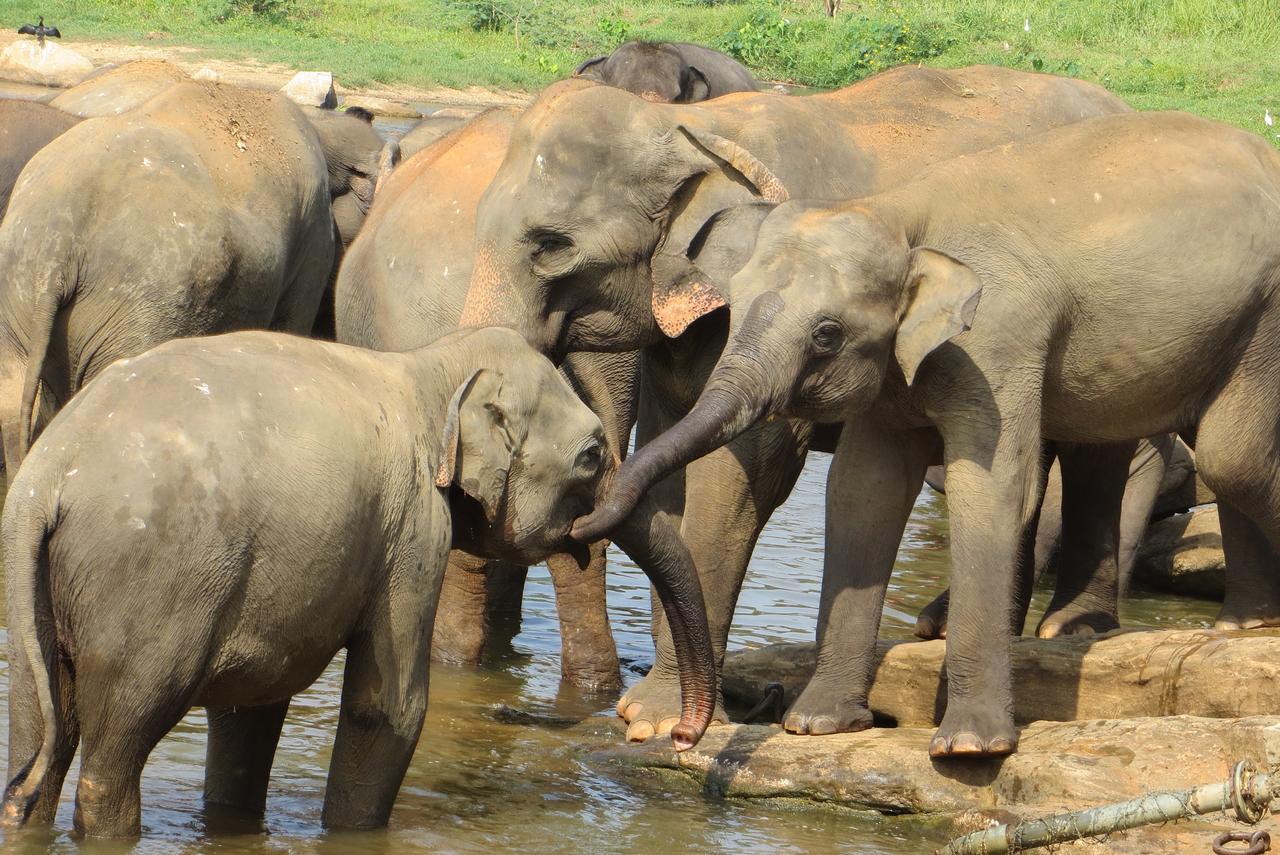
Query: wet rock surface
{"points": [[1182, 554], [1126, 674]]}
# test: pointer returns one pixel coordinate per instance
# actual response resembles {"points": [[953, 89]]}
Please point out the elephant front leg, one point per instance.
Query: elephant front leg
{"points": [[588, 655], [242, 746], [872, 486], [726, 498], [993, 488], [478, 596]]}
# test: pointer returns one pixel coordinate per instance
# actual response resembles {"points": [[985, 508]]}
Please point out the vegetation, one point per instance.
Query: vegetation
{"points": [[1220, 58]]}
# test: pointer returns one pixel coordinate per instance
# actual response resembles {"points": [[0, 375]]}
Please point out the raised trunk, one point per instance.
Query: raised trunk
{"points": [[653, 544]]}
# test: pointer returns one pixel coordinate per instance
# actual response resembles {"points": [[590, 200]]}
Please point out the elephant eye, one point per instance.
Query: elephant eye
{"points": [[545, 243], [828, 337], [589, 459]]}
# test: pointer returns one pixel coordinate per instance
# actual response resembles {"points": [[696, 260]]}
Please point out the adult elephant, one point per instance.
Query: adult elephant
{"points": [[979, 310], [583, 237], [25, 128], [113, 91], [203, 211], [669, 71], [402, 285]]}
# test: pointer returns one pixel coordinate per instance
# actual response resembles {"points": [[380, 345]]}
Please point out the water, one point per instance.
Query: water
{"points": [[481, 783]]}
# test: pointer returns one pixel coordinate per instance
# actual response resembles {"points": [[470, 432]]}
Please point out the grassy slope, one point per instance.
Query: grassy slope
{"points": [[1220, 58]]}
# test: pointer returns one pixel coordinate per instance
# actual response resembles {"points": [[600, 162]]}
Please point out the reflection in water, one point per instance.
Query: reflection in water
{"points": [[485, 779]]}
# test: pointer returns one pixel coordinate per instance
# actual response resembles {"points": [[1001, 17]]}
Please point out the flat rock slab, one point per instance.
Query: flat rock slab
{"points": [[1126, 674], [1059, 766], [1183, 554]]}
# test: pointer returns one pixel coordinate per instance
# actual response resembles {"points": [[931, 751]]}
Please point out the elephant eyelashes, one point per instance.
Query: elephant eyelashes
{"points": [[828, 337], [549, 242], [589, 459]]}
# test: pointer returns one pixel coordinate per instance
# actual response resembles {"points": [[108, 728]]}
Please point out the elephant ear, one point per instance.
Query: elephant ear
{"points": [[688, 285], [939, 302], [388, 160], [477, 443], [590, 69], [695, 86], [716, 148]]}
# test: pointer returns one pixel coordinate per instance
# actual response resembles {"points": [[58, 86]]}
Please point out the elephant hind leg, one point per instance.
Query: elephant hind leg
{"points": [[1238, 456], [26, 730], [242, 745]]}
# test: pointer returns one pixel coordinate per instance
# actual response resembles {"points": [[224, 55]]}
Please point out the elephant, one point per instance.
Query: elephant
{"points": [[677, 72], [978, 310], [427, 131], [402, 285], [25, 128], [112, 91], [582, 241], [205, 210], [358, 161], [215, 519]]}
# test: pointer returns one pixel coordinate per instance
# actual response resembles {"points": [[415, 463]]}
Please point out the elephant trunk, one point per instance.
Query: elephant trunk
{"points": [[738, 393], [653, 544]]}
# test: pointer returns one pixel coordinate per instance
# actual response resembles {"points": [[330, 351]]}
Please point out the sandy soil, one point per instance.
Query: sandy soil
{"points": [[260, 75]]}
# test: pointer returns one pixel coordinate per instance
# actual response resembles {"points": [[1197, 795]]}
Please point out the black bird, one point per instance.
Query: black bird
{"points": [[40, 31]]}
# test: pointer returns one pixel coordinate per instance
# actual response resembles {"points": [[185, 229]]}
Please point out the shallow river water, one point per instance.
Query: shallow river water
{"points": [[481, 782]]}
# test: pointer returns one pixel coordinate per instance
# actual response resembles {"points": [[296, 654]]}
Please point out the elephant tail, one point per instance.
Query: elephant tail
{"points": [[46, 311], [26, 530]]}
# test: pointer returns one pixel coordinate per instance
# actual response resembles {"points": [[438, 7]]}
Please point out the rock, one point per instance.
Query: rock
{"points": [[207, 74], [455, 113], [1183, 554], [52, 65], [1059, 766], [312, 89], [1121, 675], [381, 106]]}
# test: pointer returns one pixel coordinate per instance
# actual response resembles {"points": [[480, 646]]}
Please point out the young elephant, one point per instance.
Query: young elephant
{"points": [[664, 71], [1131, 266], [209, 523]]}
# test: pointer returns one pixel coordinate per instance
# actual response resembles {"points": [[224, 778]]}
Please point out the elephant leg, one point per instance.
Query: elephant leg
{"points": [[462, 622], [723, 501], [1237, 447], [504, 602], [588, 655], [1038, 552], [12, 372], [26, 729], [872, 486], [994, 478], [242, 745], [384, 702]]}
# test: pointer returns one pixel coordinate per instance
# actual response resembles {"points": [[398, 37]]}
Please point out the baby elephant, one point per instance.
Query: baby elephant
{"points": [[664, 71], [211, 522]]}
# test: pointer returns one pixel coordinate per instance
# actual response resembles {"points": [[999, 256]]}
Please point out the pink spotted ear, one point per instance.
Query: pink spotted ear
{"points": [[681, 293]]}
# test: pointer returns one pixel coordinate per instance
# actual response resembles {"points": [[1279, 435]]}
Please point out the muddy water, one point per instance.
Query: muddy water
{"points": [[502, 764]]}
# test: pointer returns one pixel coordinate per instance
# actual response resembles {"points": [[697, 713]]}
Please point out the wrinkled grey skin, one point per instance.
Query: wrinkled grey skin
{"points": [[669, 71], [1084, 603], [358, 162], [230, 188], [112, 91], [209, 523], [585, 236], [25, 128], [983, 309], [402, 285]]}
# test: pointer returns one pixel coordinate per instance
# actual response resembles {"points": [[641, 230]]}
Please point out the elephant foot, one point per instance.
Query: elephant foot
{"points": [[970, 729], [823, 708], [652, 706], [1254, 615], [932, 621], [595, 676], [1076, 618]]}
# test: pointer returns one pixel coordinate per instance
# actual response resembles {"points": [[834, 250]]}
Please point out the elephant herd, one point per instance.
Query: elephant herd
{"points": [[979, 268]]}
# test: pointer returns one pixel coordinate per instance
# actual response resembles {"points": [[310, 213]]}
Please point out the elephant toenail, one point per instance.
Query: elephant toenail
{"points": [[640, 731], [938, 747], [1001, 745], [967, 743]]}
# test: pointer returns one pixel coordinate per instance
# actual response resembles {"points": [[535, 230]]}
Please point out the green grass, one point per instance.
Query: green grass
{"points": [[1220, 58]]}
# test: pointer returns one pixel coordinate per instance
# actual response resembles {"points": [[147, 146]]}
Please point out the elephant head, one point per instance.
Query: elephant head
{"points": [[522, 456], [831, 304], [653, 70], [574, 233], [358, 160]]}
